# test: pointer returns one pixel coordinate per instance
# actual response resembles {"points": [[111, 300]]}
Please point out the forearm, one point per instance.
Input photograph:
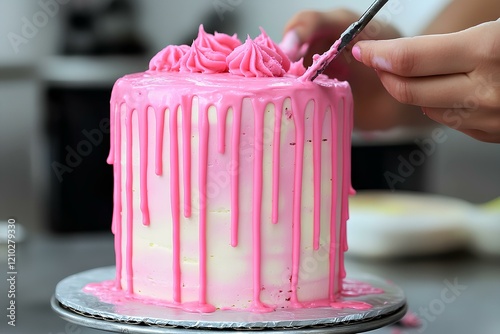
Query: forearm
{"points": [[463, 14]]}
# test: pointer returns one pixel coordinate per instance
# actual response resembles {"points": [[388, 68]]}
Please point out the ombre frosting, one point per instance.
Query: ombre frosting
{"points": [[230, 187]]}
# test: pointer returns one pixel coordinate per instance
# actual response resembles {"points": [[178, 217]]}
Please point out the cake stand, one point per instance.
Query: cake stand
{"points": [[74, 305]]}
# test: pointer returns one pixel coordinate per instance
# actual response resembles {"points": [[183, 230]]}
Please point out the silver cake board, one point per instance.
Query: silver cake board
{"points": [[74, 305]]}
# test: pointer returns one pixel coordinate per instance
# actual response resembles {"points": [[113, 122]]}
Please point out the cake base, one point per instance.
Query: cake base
{"points": [[76, 306]]}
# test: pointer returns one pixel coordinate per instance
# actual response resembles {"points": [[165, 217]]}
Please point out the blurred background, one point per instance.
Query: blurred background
{"points": [[59, 60]]}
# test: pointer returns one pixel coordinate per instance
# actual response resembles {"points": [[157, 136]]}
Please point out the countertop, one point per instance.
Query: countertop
{"points": [[456, 293]]}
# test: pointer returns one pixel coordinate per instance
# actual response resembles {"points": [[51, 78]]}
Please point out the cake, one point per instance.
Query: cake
{"points": [[231, 179]]}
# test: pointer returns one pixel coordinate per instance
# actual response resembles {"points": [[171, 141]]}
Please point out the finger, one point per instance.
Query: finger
{"points": [[467, 120], [483, 136], [418, 56], [436, 92]]}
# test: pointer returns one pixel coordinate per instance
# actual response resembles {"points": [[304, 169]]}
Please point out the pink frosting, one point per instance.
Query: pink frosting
{"points": [[203, 60], [208, 53], [297, 68], [254, 60], [222, 53], [218, 42], [168, 59], [264, 40]]}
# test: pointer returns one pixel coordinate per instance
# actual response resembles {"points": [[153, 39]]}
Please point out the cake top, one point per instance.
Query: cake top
{"points": [[222, 53]]}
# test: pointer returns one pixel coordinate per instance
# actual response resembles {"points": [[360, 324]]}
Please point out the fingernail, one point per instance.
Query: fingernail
{"points": [[356, 53], [291, 44]]}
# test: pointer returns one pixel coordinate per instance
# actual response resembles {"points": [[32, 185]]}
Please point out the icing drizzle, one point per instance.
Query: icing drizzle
{"points": [[125, 104]]}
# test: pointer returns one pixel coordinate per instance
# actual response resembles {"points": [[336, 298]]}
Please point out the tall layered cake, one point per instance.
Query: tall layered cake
{"points": [[231, 179]]}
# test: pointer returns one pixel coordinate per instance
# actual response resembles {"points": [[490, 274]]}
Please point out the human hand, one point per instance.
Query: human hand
{"points": [[375, 108], [455, 78]]}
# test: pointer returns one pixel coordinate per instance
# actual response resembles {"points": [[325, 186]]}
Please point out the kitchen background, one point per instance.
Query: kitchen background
{"points": [[59, 59], [58, 62]]}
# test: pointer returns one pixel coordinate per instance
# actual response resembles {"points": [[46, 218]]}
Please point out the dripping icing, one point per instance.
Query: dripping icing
{"points": [[236, 105]]}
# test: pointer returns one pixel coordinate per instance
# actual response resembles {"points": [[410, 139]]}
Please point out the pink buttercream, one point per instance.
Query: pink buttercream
{"points": [[254, 60], [320, 61], [202, 60], [221, 43], [168, 58], [297, 68], [221, 53], [264, 40]]}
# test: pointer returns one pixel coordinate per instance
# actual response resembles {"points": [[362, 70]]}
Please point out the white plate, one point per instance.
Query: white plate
{"points": [[396, 224]]}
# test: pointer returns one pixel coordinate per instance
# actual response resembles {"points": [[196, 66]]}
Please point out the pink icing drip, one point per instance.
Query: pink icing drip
{"points": [[276, 162], [175, 205], [203, 158], [234, 175], [346, 181], [298, 115], [129, 199], [257, 305], [333, 214], [160, 130], [143, 142], [356, 305], [318, 125], [186, 149], [258, 110], [112, 116], [117, 199]]}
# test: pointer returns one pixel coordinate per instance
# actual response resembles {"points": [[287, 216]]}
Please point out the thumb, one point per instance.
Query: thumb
{"points": [[368, 53], [418, 56]]}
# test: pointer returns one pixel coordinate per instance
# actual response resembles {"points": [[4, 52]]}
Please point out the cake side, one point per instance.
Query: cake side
{"points": [[231, 201]]}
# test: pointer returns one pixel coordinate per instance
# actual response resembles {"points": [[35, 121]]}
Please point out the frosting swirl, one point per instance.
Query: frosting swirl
{"points": [[203, 60], [169, 58], [254, 60], [264, 40], [222, 53], [297, 68], [217, 42]]}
